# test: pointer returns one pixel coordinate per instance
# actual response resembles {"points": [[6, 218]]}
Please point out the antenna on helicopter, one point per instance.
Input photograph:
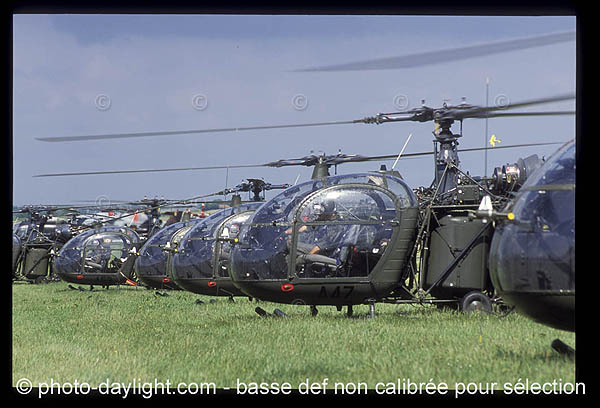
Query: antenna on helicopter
{"points": [[402, 151]]}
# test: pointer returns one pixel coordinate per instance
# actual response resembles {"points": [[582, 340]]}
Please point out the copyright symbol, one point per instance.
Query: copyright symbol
{"points": [[24, 386], [300, 102], [401, 101], [199, 102], [501, 101], [102, 102], [102, 200]]}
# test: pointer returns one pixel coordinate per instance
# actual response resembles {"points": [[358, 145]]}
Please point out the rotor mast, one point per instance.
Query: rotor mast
{"points": [[321, 169], [446, 157]]}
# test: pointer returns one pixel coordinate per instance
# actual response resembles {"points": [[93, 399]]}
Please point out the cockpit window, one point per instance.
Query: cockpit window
{"points": [[348, 205], [547, 199], [153, 255], [106, 252], [280, 208], [228, 231], [197, 247], [558, 169], [339, 227], [108, 242]]}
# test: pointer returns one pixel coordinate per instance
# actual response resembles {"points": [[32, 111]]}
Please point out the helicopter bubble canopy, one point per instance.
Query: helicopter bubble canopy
{"points": [[542, 226], [151, 264], [351, 219], [99, 256], [193, 266], [28, 232]]}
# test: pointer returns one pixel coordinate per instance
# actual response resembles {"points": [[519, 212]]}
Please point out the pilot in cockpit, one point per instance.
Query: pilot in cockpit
{"points": [[326, 244]]}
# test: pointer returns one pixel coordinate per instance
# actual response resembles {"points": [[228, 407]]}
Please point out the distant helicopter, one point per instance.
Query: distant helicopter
{"points": [[103, 253], [36, 239], [154, 264], [102, 256], [153, 258], [201, 261]]}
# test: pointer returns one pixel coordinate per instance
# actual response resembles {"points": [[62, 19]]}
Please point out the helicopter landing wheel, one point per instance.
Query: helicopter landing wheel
{"points": [[476, 301]]}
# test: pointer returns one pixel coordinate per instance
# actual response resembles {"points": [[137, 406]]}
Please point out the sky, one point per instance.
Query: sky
{"points": [[99, 74]]}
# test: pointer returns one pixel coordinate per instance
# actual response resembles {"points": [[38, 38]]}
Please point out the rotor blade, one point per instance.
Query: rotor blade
{"points": [[507, 114], [90, 173], [442, 56], [482, 112], [129, 214], [473, 149], [182, 132], [280, 163]]}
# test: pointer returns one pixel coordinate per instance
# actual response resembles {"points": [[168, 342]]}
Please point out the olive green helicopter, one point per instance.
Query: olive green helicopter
{"points": [[200, 246], [103, 250]]}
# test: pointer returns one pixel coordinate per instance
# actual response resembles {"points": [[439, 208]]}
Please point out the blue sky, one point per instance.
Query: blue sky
{"points": [[98, 74]]}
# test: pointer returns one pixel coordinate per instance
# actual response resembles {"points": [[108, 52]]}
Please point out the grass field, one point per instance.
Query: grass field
{"points": [[127, 334]]}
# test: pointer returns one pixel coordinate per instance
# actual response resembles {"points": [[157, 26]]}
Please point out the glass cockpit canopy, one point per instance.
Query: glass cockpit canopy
{"points": [[100, 250], [280, 208], [348, 216], [197, 247], [153, 256], [548, 195]]}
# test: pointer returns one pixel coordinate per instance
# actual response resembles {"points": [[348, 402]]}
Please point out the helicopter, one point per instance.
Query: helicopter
{"points": [[36, 239], [39, 238], [372, 254], [539, 222], [153, 265], [200, 261], [103, 252], [432, 269], [100, 256], [152, 260]]}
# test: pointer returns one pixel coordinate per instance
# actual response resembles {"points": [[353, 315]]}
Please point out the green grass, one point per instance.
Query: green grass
{"points": [[130, 333]]}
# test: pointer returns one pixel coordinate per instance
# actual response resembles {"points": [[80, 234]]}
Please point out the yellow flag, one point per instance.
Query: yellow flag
{"points": [[494, 140]]}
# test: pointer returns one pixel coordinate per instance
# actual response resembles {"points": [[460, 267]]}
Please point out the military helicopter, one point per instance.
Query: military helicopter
{"points": [[154, 263], [532, 254], [100, 256], [36, 239], [152, 259], [39, 238], [370, 229], [200, 263], [104, 253]]}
